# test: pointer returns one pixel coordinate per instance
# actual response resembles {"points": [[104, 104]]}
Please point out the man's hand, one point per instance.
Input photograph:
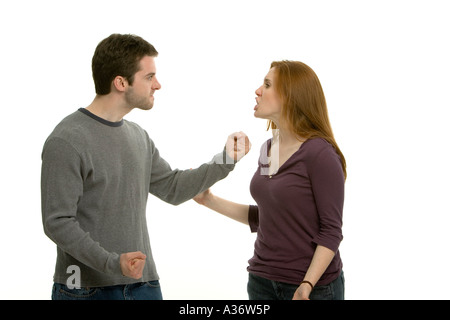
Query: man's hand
{"points": [[132, 264], [238, 145]]}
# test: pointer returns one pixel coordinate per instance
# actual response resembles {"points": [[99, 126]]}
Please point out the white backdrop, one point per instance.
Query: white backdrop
{"points": [[384, 67]]}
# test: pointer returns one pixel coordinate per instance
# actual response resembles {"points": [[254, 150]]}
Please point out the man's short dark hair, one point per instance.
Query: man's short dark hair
{"points": [[118, 55]]}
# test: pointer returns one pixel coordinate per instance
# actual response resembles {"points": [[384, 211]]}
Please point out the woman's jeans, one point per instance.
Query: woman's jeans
{"points": [[137, 291], [259, 288]]}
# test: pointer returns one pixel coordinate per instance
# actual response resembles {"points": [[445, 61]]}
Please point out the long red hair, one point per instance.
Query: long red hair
{"points": [[304, 106]]}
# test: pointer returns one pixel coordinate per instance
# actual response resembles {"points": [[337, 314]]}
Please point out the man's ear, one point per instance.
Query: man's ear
{"points": [[120, 83]]}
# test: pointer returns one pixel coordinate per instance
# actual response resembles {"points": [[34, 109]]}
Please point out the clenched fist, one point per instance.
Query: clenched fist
{"points": [[238, 145], [132, 264]]}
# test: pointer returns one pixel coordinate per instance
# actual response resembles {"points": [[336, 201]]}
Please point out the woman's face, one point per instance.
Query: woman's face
{"points": [[268, 102]]}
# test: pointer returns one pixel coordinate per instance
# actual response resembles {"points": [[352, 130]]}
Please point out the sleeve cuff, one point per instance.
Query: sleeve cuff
{"points": [[223, 158], [253, 218]]}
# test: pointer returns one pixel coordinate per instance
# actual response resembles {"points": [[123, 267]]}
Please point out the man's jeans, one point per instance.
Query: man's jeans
{"points": [[263, 289], [136, 291]]}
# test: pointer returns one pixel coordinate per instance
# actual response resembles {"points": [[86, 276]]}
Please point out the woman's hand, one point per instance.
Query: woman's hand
{"points": [[302, 292], [232, 210], [201, 198]]}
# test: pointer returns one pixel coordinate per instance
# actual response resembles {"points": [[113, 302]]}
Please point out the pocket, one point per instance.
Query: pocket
{"points": [[153, 284], [321, 293], [62, 292]]}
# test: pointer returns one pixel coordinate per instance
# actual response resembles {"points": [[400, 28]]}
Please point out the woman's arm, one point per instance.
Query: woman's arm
{"points": [[327, 180], [235, 211], [321, 259]]}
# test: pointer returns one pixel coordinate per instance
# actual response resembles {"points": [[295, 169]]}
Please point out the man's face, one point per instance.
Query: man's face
{"points": [[140, 94]]}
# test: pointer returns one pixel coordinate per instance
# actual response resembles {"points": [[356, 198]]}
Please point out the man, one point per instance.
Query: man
{"points": [[97, 172]]}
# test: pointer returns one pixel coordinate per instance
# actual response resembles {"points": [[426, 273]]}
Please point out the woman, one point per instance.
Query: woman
{"points": [[299, 191]]}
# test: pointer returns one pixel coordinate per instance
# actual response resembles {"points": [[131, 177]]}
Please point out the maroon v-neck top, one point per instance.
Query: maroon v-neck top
{"points": [[298, 208]]}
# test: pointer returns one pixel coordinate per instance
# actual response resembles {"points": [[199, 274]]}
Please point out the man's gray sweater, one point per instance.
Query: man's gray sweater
{"points": [[96, 177]]}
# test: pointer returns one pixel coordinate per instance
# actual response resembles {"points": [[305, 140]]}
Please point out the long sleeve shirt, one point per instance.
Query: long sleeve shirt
{"points": [[95, 180], [298, 208]]}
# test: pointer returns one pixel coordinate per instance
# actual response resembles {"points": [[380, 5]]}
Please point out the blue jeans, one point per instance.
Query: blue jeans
{"points": [[150, 290], [259, 288]]}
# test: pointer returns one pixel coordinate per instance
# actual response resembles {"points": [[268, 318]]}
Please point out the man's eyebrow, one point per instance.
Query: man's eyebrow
{"points": [[150, 74]]}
